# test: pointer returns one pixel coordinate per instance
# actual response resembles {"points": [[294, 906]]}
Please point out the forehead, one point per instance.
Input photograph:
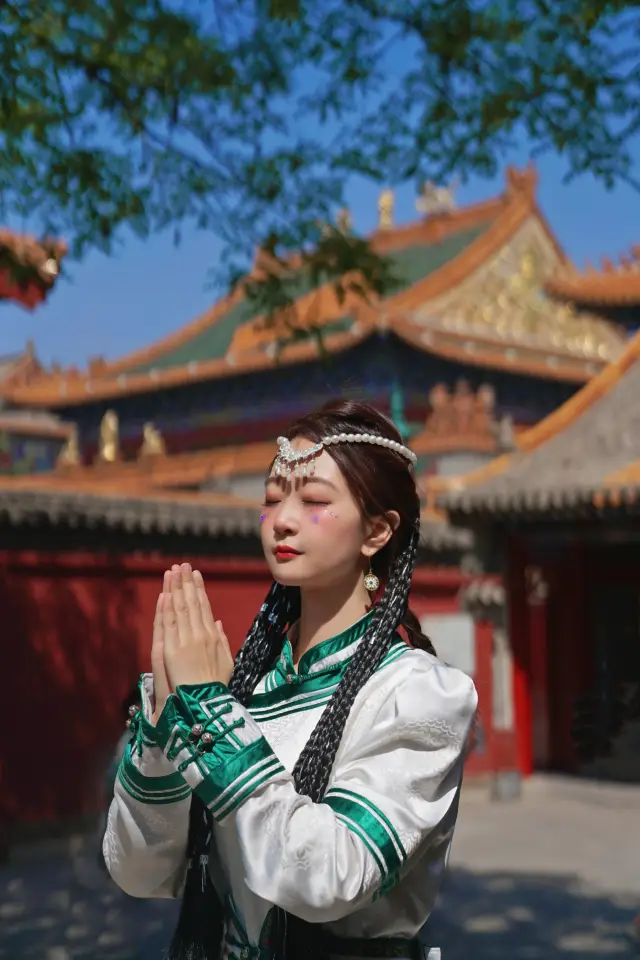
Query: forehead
{"points": [[325, 468]]}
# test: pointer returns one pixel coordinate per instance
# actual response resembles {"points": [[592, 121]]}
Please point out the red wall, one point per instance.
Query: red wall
{"points": [[76, 635]]}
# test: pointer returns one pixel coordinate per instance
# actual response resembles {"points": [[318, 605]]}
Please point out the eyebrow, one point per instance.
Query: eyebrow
{"points": [[306, 481]]}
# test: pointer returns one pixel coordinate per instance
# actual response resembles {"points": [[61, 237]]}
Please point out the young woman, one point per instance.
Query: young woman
{"points": [[303, 799]]}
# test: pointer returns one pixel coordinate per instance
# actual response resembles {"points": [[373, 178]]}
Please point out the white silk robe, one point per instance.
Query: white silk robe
{"points": [[365, 862]]}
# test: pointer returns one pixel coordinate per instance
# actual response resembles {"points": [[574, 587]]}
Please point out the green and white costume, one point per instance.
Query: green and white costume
{"points": [[367, 862]]}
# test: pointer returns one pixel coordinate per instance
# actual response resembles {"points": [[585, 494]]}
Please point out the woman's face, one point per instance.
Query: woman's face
{"points": [[313, 533]]}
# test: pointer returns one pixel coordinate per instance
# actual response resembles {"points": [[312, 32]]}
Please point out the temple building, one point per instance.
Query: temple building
{"points": [[559, 520], [471, 305], [167, 450], [30, 438]]}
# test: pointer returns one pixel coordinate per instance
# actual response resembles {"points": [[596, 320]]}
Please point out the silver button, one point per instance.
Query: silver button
{"points": [[288, 678], [245, 953]]}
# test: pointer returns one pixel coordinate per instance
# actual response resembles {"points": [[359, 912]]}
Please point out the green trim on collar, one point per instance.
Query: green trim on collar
{"points": [[310, 690], [332, 645]]}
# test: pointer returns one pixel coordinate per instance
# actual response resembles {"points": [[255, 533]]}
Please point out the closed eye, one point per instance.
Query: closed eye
{"points": [[316, 503]]}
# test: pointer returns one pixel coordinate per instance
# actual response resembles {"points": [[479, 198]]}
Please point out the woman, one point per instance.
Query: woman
{"points": [[315, 782]]}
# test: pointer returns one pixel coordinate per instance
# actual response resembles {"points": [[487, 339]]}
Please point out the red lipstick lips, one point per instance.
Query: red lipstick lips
{"points": [[285, 553]]}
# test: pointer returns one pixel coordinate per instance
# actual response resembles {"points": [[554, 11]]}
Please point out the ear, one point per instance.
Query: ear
{"points": [[378, 533]]}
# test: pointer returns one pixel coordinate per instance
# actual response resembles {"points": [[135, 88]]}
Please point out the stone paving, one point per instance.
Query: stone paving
{"points": [[554, 876]]}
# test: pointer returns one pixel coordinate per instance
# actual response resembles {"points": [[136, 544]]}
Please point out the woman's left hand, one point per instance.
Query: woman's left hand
{"points": [[196, 649]]}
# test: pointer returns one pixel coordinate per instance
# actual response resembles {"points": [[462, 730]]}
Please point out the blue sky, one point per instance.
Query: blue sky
{"points": [[113, 305]]}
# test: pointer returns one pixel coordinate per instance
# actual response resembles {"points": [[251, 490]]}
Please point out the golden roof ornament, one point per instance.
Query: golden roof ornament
{"points": [[505, 304], [434, 199], [153, 444], [386, 206], [70, 456], [108, 444]]}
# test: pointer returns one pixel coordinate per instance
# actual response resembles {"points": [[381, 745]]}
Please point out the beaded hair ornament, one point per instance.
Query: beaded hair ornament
{"points": [[301, 463]]}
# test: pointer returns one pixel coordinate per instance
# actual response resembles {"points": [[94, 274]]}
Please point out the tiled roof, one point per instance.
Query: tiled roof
{"points": [[469, 250], [214, 341], [614, 284], [21, 423], [143, 513], [64, 500], [587, 454], [437, 534], [171, 471]]}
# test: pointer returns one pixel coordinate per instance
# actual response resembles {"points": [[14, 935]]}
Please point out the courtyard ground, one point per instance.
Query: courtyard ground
{"points": [[552, 876]]}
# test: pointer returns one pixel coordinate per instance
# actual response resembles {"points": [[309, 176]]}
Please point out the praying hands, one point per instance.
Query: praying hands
{"points": [[188, 646]]}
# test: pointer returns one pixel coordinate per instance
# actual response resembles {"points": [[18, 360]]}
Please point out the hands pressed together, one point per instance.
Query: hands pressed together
{"points": [[189, 646]]}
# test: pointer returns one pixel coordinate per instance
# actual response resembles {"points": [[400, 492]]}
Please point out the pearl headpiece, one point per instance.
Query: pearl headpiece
{"points": [[301, 463]]}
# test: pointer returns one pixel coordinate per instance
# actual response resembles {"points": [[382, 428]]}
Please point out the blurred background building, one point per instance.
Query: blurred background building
{"points": [[509, 373]]}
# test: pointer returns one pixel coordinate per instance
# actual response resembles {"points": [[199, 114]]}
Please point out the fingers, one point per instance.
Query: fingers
{"points": [[166, 583], [205, 606], [180, 608], [222, 636], [192, 602], [169, 622], [161, 687], [158, 634]]}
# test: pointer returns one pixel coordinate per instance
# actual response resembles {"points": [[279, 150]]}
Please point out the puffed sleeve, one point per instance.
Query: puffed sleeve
{"points": [[145, 840], [395, 782]]}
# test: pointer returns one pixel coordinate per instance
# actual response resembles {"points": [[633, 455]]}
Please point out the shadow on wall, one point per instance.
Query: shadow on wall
{"points": [[68, 658], [508, 916]]}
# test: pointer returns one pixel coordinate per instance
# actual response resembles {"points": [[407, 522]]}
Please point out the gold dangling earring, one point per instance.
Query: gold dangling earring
{"points": [[371, 582]]}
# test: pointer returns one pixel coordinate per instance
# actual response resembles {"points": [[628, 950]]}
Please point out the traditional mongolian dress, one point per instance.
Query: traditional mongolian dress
{"points": [[365, 863]]}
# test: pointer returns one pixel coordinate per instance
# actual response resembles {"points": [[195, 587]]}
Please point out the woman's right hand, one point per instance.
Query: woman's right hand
{"points": [[160, 680]]}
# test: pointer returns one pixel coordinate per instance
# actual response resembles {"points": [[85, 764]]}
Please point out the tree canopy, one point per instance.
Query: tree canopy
{"points": [[248, 117]]}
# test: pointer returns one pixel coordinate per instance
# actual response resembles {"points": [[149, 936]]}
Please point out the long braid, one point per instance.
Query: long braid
{"points": [[296, 939], [264, 640], [313, 768], [199, 930]]}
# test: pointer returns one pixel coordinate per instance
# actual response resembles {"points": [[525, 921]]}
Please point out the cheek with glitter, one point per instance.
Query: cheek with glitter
{"points": [[316, 517], [263, 517]]}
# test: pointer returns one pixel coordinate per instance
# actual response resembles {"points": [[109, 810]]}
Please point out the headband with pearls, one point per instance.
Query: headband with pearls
{"points": [[301, 463]]}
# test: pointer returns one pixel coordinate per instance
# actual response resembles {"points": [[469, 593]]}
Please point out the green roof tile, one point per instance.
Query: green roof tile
{"points": [[411, 265]]}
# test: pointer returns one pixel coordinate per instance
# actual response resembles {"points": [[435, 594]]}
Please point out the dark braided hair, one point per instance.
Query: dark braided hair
{"points": [[380, 480]]}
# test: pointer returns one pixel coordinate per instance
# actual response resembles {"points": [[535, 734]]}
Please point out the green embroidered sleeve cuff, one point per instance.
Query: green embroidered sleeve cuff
{"points": [[214, 743], [144, 772], [137, 776], [146, 732]]}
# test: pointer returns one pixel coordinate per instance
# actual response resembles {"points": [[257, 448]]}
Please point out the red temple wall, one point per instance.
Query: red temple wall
{"points": [[77, 633]]}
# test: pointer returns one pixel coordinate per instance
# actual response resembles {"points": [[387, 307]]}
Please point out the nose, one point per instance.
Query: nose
{"points": [[285, 521]]}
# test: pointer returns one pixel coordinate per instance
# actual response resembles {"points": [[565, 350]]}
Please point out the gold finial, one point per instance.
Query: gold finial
{"points": [[152, 443], [69, 456], [108, 450], [344, 223], [386, 206], [434, 199]]}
